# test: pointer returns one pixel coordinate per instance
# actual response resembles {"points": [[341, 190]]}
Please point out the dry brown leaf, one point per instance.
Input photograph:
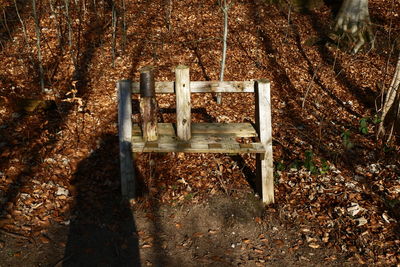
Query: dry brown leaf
{"points": [[313, 245], [198, 234], [212, 232], [278, 242], [44, 239], [259, 251], [246, 241], [331, 258]]}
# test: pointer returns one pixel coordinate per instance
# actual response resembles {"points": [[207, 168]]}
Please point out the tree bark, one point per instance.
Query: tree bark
{"points": [[114, 32], [225, 9], [354, 23], [38, 39], [392, 100]]}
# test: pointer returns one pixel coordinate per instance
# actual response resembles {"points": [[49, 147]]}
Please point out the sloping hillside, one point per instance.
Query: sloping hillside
{"points": [[337, 188]]}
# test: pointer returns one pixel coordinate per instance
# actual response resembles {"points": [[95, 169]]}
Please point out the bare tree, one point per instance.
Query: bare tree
{"points": [[6, 24], [225, 9], [39, 50], [168, 13], [353, 23], [57, 19], [22, 24], [69, 23], [114, 32], [392, 102], [123, 11]]}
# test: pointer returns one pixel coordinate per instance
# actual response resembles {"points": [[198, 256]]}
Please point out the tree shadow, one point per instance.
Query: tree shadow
{"points": [[334, 5], [288, 93], [144, 34], [25, 147], [367, 96], [102, 228], [30, 138], [200, 62], [317, 80]]}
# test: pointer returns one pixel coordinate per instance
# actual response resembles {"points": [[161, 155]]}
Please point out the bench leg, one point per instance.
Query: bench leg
{"points": [[125, 139], [265, 167], [265, 177]]}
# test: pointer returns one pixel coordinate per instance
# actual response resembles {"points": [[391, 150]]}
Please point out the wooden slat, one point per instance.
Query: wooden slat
{"points": [[206, 138], [196, 138], [233, 129], [237, 129], [222, 87], [193, 147], [203, 87], [161, 87]]}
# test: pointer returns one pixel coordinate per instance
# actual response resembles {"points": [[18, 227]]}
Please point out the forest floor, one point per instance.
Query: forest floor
{"points": [[337, 189]]}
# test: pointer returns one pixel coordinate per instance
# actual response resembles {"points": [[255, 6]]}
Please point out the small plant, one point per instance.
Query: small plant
{"points": [[189, 196], [346, 140], [364, 125], [324, 167], [376, 119], [280, 166], [387, 148], [295, 165], [309, 164], [364, 122]]}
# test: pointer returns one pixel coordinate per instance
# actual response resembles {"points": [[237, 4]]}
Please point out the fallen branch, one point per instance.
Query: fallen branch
{"points": [[14, 235]]}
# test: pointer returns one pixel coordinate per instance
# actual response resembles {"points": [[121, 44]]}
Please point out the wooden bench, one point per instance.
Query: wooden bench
{"points": [[188, 137]]}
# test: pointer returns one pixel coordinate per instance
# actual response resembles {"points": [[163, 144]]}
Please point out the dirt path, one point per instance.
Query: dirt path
{"points": [[224, 231]]}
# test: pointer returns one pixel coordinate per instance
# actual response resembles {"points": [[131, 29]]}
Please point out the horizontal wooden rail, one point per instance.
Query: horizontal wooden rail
{"points": [[203, 87], [232, 129]]}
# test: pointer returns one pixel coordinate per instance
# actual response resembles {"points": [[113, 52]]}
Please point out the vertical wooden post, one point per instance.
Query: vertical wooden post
{"points": [[148, 104], [265, 169], [183, 105], [125, 138]]}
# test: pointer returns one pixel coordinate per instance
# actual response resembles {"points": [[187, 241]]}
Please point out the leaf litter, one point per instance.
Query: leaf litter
{"points": [[339, 204]]}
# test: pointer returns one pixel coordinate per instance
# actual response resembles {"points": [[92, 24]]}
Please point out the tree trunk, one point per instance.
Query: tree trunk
{"points": [[114, 32], [392, 102], [354, 24], [38, 39], [225, 9]]}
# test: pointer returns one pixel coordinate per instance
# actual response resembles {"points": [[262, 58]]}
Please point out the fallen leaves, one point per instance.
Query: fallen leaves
{"points": [[198, 234], [278, 242], [339, 202], [44, 239], [313, 245]]}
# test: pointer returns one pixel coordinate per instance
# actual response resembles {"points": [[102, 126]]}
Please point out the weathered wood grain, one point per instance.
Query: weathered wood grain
{"points": [[206, 138], [264, 163], [235, 129], [203, 87], [148, 104], [183, 104], [125, 139]]}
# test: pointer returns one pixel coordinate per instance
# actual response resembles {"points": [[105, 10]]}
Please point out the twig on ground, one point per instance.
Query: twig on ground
{"points": [[14, 235]]}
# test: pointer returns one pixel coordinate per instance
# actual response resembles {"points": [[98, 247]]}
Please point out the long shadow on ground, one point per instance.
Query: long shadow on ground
{"points": [[102, 230]]}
